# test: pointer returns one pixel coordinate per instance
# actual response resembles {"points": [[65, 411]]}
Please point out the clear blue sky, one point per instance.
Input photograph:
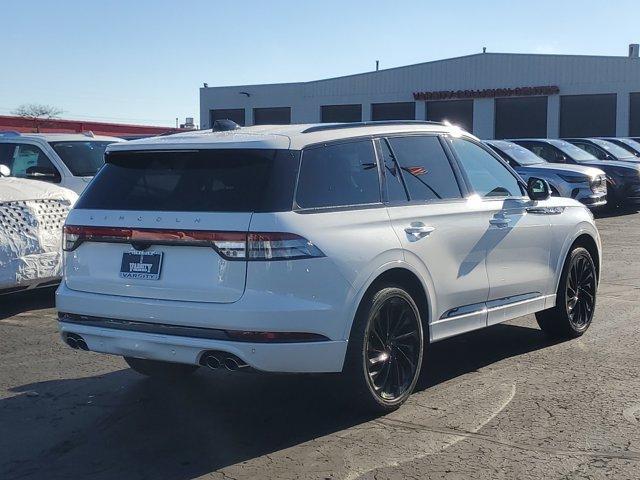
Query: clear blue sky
{"points": [[143, 61]]}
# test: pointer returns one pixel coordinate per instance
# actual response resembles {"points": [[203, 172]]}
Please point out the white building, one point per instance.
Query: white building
{"points": [[495, 95]]}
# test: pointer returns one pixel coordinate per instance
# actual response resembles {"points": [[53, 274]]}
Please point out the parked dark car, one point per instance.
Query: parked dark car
{"points": [[604, 149], [629, 144], [583, 183], [623, 178]]}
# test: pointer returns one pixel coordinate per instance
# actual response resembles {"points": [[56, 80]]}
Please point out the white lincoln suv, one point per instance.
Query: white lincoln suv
{"points": [[317, 248]]}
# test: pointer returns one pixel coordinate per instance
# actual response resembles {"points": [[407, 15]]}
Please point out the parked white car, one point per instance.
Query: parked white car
{"points": [[69, 160], [317, 248], [31, 217]]}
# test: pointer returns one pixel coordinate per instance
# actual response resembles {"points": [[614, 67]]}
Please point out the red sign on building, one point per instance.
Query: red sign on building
{"points": [[487, 93]]}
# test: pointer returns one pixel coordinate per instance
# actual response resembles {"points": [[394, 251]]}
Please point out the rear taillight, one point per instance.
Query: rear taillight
{"points": [[280, 246], [69, 239], [229, 245]]}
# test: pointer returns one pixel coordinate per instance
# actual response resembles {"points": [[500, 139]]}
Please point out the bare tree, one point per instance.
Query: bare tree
{"points": [[36, 112]]}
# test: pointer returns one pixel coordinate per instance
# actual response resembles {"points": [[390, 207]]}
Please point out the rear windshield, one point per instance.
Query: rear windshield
{"points": [[195, 181], [84, 159]]}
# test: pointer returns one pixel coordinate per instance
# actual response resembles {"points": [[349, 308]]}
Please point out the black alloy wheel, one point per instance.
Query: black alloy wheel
{"points": [[580, 296], [575, 299], [393, 348], [385, 349]]}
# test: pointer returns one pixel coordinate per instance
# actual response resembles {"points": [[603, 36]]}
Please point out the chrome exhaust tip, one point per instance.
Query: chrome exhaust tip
{"points": [[232, 364], [76, 342], [72, 342], [212, 361], [215, 359]]}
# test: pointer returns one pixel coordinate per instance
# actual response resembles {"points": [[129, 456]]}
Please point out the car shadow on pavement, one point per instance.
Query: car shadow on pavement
{"points": [[120, 425], [614, 212], [36, 299]]}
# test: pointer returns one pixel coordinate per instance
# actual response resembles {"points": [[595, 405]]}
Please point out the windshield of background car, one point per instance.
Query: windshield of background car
{"points": [[613, 149], [212, 180], [578, 154], [520, 154], [82, 158]]}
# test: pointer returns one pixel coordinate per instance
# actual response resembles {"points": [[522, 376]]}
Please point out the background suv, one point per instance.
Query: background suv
{"points": [[588, 185], [67, 159], [604, 149], [31, 217], [623, 178], [317, 248], [632, 146]]}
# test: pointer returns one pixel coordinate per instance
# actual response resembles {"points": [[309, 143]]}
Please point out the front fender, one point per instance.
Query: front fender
{"points": [[583, 228]]}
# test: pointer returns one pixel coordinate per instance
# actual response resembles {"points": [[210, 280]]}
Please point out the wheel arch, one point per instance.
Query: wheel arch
{"points": [[587, 238], [586, 241], [404, 275]]}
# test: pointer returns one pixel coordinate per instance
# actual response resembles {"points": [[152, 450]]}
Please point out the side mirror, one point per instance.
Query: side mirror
{"points": [[4, 171], [46, 174], [538, 189]]}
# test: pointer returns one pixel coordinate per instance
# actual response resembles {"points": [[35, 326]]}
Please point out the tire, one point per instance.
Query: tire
{"points": [[161, 370], [381, 370], [573, 313]]}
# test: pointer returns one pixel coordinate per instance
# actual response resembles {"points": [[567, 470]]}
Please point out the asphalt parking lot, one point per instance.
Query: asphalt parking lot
{"points": [[502, 403]]}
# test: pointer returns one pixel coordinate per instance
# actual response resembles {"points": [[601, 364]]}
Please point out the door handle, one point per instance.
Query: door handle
{"points": [[419, 229], [500, 222]]}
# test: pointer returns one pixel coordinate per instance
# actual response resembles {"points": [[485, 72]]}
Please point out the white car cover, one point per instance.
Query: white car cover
{"points": [[32, 214]]}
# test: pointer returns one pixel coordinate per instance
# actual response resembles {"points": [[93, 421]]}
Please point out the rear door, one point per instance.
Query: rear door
{"points": [[439, 229], [172, 225]]}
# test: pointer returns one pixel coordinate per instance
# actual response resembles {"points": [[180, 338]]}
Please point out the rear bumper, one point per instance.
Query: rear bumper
{"points": [[304, 357], [256, 312]]}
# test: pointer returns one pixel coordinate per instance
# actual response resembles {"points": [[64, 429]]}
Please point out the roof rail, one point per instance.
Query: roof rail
{"points": [[378, 123], [9, 133]]}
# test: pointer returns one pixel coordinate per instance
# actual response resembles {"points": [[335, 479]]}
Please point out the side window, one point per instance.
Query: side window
{"points": [[338, 175], [393, 177], [549, 153], [7, 151], [488, 177], [425, 168], [554, 154], [592, 149], [23, 158]]}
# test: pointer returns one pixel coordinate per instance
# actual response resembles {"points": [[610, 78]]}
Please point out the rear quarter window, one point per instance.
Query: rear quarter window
{"points": [[215, 180], [338, 175]]}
